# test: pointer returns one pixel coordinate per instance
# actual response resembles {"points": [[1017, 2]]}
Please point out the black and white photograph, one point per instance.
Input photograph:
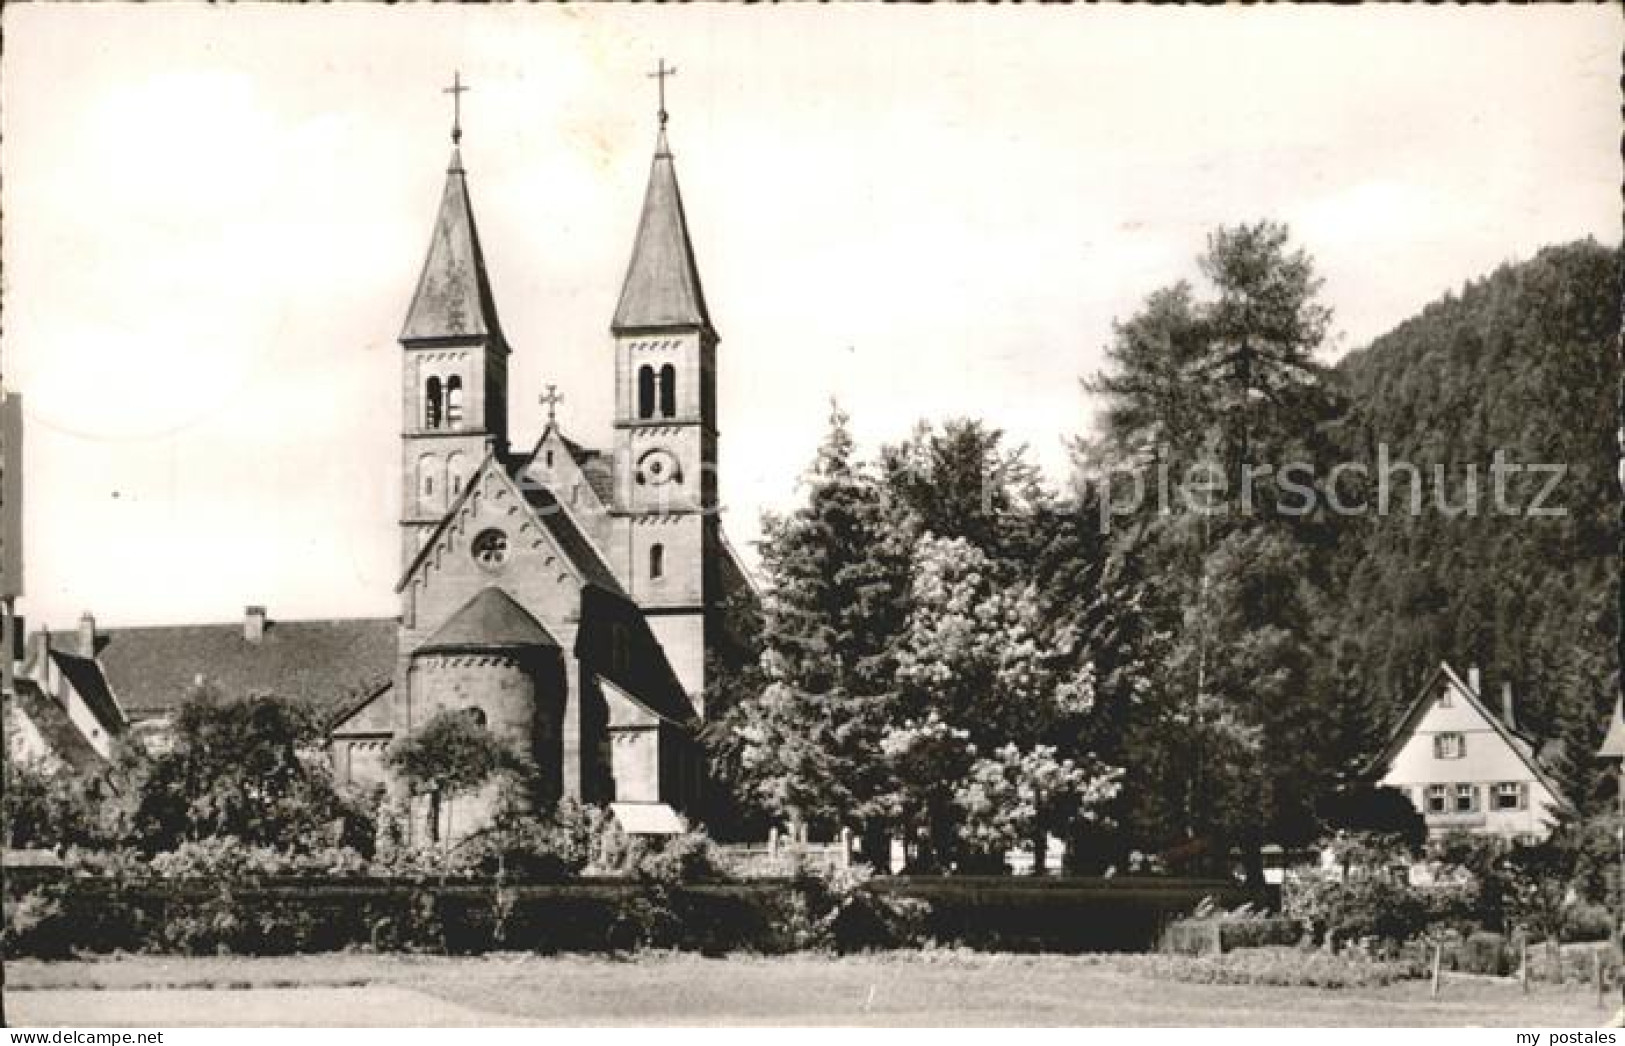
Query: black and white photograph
{"points": [[841, 515]]}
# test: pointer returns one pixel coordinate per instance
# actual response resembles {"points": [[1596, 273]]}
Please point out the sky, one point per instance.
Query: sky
{"points": [[213, 218]]}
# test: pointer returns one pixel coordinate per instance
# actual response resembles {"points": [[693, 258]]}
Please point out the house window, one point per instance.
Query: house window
{"points": [[657, 561], [1444, 698], [1436, 799], [1466, 799], [1449, 746], [1511, 795]]}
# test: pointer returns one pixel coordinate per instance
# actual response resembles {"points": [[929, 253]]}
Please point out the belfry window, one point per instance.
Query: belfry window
{"points": [[646, 391], [454, 401], [657, 561], [431, 404], [668, 391]]}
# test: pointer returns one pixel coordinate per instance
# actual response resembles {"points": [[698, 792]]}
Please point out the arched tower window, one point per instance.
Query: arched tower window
{"points": [[646, 391], [454, 401], [431, 403], [668, 391], [657, 561]]}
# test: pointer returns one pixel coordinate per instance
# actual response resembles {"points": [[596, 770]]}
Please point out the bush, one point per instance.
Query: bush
{"points": [[688, 858], [1224, 934], [1365, 904], [228, 858], [1485, 952], [35, 925], [1276, 967], [1590, 922]]}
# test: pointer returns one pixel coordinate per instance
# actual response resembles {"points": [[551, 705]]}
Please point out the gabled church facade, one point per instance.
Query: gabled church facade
{"points": [[567, 597]]}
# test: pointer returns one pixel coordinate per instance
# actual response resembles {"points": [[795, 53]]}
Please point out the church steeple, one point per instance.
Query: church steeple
{"points": [[662, 287], [454, 408], [453, 298]]}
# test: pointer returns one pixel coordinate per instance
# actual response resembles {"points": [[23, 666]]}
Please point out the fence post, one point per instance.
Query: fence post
{"points": [[1523, 968], [1438, 954], [773, 841], [846, 847], [1596, 973]]}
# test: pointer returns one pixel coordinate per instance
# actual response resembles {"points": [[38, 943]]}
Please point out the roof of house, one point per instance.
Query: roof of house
{"points": [[489, 621], [453, 298], [58, 732], [151, 669], [1518, 742], [90, 683], [662, 287]]}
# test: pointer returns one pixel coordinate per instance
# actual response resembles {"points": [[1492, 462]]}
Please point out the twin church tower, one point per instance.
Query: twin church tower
{"points": [[568, 598]]}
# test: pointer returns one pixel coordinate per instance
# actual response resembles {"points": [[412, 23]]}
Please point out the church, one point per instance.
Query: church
{"points": [[570, 597]]}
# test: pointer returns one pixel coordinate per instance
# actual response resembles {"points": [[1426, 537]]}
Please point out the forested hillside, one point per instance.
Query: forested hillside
{"points": [[1523, 361]]}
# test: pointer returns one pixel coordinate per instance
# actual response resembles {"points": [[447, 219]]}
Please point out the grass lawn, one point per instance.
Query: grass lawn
{"points": [[942, 988]]}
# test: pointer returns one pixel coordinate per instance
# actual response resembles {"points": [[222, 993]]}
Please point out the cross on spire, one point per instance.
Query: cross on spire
{"points": [[551, 400], [456, 91], [661, 72]]}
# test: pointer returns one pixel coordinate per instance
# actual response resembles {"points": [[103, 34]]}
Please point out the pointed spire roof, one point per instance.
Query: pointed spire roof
{"points": [[453, 298], [489, 621], [662, 287]]}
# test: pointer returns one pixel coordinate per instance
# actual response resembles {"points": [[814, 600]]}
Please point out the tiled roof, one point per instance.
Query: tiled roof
{"points": [[151, 669], [55, 728], [87, 679], [489, 621], [662, 287], [453, 298], [577, 547]]}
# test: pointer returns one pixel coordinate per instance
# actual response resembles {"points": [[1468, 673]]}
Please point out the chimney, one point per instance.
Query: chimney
{"points": [[87, 635], [253, 624], [1472, 681], [1506, 707]]}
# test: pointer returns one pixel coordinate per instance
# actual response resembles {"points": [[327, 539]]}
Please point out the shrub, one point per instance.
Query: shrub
{"points": [[1227, 933], [35, 924], [1275, 967], [1590, 922], [688, 858], [229, 858], [857, 918], [1485, 952], [537, 848], [1364, 904]]}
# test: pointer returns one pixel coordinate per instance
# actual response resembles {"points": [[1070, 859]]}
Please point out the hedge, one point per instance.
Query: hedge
{"points": [[1220, 935], [279, 916], [1062, 914]]}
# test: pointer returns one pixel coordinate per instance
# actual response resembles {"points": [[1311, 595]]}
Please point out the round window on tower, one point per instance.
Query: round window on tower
{"points": [[490, 548]]}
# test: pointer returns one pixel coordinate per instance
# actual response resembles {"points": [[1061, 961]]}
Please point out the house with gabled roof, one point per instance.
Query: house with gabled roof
{"points": [[1466, 767]]}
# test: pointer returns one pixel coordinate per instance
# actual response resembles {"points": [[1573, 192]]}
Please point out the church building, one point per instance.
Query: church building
{"points": [[568, 597], [572, 599]]}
